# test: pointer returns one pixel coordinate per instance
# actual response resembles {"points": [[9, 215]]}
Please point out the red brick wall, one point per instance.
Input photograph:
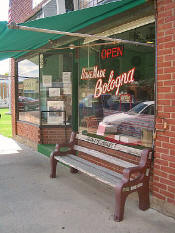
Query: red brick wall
{"points": [[22, 10], [42, 136], [29, 131], [55, 135], [164, 163]]}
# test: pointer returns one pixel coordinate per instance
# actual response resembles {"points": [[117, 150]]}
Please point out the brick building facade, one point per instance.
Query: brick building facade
{"points": [[164, 163], [163, 191], [22, 11]]}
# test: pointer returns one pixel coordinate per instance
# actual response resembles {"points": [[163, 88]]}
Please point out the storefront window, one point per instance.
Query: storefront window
{"points": [[28, 90], [48, 100], [36, 2], [56, 89], [91, 3], [116, 89]]}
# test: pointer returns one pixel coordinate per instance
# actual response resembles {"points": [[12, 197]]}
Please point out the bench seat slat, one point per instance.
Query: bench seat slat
{"points": [[100, 173], [105, 157]]}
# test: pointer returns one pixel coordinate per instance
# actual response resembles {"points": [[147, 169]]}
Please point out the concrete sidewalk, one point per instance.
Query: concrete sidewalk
{"points": [[31, 202]]}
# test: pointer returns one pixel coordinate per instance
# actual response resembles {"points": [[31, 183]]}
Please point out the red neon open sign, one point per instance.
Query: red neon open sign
{"points": [[112, 52]]}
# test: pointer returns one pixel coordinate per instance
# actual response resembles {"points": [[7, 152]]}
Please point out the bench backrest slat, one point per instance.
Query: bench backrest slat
{"points": [[103, 156], [108, 144]]}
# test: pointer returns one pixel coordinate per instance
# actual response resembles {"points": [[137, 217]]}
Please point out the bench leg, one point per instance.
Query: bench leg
{"points": [[73, 170], [53, 164], [120, 199], [144, 201]]}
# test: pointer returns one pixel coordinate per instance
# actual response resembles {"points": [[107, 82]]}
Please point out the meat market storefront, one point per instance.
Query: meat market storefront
{"points": [[116, 91], [114, 82], [106, 89]]}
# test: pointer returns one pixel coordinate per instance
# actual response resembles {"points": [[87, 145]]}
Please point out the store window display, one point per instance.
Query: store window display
{"points": [[56, 89], [45, 89], [28, 90], [116, 89]]}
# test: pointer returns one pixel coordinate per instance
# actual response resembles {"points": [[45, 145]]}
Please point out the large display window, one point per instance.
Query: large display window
{"points": [[45, 89], [28, 90], [56, 89], [116, 89]]}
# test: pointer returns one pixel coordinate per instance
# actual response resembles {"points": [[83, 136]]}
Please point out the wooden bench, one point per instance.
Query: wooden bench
{"points": [[125, 177]]}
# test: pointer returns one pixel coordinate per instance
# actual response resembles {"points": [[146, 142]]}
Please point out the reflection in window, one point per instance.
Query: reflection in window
{"points": [[69, 5], [116, 90], [91, 3], [28, 90], [56, 89], [36, 2]]}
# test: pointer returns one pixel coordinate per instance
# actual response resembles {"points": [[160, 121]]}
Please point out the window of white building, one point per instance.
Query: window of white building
{"points": [[36, 2]]}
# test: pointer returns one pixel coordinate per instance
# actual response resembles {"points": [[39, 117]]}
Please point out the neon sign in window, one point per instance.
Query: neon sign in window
{"points": [[112, 83], [112, 52]]}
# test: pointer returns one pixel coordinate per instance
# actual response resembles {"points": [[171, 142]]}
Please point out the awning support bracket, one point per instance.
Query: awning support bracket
{"points": [[13, 25]]}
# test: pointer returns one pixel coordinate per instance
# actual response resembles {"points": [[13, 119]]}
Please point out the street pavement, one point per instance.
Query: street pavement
{"points": [[31, 202]]}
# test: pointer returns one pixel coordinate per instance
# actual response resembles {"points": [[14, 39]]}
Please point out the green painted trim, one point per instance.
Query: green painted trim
{"points": [[47, 149], [75, 95]]}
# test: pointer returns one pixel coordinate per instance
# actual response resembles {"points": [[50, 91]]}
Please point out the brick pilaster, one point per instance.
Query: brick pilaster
{"points": [[164, 163]]}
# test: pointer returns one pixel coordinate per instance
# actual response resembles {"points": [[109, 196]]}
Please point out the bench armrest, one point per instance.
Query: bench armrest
{"points": [[127, 172], [144, 163], [63, 145], [69, 145]]}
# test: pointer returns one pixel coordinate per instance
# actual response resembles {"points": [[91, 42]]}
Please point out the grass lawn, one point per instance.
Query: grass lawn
{"points": [[5, 123]]}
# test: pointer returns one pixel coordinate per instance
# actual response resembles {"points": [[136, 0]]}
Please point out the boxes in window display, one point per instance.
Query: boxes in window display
{"points": [[54, 117], [67, 85], [54, 92], [47, 80]]}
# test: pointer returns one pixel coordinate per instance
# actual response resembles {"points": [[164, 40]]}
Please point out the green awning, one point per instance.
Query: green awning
{"points": [[14, 43]]}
